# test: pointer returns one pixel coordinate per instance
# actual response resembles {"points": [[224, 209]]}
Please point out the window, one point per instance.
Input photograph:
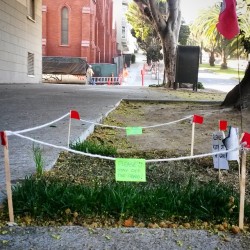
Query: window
{"points": [[31, 9], [65, 26], [30, 64], [123, 32]]}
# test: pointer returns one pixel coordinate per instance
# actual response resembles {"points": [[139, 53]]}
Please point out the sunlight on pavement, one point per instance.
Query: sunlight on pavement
{"points": [[209, 80]]}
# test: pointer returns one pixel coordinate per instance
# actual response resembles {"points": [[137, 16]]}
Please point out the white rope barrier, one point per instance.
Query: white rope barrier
{"points": [[18, 133], [169, 123], [157, 125], [41, 126], [59, 147], [103, 125], [194, 156], [145, 127], [108, 126], [112, 158]]}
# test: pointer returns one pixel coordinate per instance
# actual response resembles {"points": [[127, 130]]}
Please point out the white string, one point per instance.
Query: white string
{"points": [[103, 125], [41, 126], [145, 127], [157, 125], [110, 126], [59, 147], [194, 156], [169, 123], [112, 158]]}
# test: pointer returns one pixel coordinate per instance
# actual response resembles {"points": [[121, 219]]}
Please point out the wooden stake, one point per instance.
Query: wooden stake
{"points": [[242, 189], [192, 139], [69, 131], [219, 173], [8, 179], [219, 159], [239, 170]]}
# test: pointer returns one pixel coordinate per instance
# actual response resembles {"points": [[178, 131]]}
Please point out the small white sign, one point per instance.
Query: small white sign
{"points": [[231, 142], [220, 160]]}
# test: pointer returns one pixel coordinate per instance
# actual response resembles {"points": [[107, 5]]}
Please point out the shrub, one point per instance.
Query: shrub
{"points": [[200, 85], [94, 148]]}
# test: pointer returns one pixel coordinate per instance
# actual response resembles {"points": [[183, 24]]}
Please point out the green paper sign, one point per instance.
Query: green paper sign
{"points": [[130, 170], [134, 130]]}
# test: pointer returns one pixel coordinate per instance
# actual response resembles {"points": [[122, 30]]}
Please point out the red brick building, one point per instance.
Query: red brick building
{"points": [[79, 28]]}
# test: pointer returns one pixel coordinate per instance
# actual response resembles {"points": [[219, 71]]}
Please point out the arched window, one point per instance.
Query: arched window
{"points": [[65, 26]]}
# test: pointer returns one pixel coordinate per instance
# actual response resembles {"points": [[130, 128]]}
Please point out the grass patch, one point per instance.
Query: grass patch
{"points": [[94, 148], [218, 70], [38, 159], [53, 199]]}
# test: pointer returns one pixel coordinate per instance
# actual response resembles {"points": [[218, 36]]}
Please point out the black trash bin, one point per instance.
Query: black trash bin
{"points": [[187, 65]]}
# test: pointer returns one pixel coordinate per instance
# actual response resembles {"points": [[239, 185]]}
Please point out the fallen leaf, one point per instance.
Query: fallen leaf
{"points": [[56, 236]]}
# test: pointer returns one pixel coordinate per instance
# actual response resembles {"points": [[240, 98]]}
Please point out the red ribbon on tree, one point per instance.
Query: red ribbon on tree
{"points": [[228, 23]]}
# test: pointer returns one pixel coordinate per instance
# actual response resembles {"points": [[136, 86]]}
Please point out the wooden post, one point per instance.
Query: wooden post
{"points": [[8, 179], [192, 139], [69, 131], [142, 77], [242, 189]]}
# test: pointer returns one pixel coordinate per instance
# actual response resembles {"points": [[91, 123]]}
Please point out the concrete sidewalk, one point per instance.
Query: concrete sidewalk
{"points": [[210, 80], [134, 73], [25, 106]]}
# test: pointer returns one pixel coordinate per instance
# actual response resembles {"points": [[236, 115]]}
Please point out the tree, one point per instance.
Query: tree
{"points": [[184, 34], [204, 31], [239, 96], [167, 26], [147, 38]]}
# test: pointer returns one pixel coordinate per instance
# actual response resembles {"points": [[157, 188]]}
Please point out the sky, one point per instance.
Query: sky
{"points": [[190, 8]]}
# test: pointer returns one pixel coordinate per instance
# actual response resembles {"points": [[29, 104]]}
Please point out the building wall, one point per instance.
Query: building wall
{"points": [[125, 40], [90, 30], [19, 35]]}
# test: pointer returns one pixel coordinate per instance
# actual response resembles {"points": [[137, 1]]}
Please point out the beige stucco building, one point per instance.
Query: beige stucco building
{"points": [[20, 41], [125, 41]]}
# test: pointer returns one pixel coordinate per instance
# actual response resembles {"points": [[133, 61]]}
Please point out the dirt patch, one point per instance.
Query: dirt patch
{"points": [[158, 143], [175, 137], [189, 94]]}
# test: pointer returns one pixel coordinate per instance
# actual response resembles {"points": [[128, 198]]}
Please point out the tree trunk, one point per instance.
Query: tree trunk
{"points": [[169, 55], [239, 96], [168, 27], [169, 38], [211, 59], [224, 58]]}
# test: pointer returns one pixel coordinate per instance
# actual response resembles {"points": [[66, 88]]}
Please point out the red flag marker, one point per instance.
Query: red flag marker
{"points": [[246, 138], [74, 115], [198, 119], [228, 23], [3, 138], [222, 125]]}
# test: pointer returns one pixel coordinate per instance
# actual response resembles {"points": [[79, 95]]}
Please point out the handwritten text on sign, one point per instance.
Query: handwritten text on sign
{"points": [[220, 160], [130, 170]]}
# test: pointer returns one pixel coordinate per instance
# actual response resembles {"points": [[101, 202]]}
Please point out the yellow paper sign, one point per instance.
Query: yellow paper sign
{"points": [[134, 130], [130, 170]]}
